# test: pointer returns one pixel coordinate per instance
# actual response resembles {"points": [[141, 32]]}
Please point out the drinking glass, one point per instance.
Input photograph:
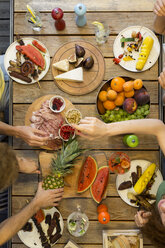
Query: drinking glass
{"points": [[36, 23], [102, 35]]}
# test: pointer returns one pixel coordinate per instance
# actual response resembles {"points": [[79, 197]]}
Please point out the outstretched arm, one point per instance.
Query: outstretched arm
{"points": [[92, 128], [43, 199], [159, 21], [28, 134]]}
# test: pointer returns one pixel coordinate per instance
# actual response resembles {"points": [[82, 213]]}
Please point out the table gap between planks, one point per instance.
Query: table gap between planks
{"points": [[119, 14]]}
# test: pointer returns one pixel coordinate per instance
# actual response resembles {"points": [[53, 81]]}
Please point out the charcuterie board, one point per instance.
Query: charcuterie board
{"points": [[92, 77], [36, 105], [71, 180]]}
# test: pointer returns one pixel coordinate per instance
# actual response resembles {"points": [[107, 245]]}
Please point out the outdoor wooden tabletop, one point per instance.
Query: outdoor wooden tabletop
{"points": [[118, 14]]}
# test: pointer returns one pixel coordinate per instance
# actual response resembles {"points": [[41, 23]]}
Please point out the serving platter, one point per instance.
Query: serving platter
{"points": [[92, 77], [109, 235], [11, 55], [131, 65], [31, 239], [36, 105], [127, 176]]}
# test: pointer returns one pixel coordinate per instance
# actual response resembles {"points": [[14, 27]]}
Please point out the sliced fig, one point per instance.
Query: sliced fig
{"points": [[79, 62], [72, 58]]}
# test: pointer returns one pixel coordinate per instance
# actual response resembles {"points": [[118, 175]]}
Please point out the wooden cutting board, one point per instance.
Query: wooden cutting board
{"points": [[36, 105], [72, 179], [92, 77]]}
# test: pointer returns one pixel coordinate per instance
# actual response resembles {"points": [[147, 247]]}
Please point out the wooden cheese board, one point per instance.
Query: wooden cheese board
{"points": [[36, 105], [92, 77], [70, 190]]}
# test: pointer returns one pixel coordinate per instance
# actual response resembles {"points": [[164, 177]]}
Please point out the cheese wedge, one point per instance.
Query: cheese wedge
{"points": [[62, 65], [75, 75]]}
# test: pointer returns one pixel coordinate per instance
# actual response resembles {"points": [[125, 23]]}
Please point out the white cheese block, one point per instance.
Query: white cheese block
{"points": [[75, 75], [62, 65]]}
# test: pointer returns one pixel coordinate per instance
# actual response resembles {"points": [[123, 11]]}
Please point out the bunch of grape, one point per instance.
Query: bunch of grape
{"points": [[121, 115]]}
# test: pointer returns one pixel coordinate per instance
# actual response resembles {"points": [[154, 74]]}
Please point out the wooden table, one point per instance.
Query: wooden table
{"points": [[119, 14]]}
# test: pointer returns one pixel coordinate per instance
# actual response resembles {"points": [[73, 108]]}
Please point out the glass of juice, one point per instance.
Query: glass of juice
{"points": [[119, 162]]}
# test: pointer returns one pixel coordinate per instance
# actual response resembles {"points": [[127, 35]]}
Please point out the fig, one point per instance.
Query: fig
{"points": [[72, 58], [88, 63], [130, 105], [79, 62], [80, 51], [142, 97]]}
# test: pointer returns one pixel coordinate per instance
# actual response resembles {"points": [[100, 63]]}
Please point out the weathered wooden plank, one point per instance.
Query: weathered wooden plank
{"points": [[54, 42], [5, 9], [116, 23], [104, 5], [81, 245], [146, 142], [27, 184], [94, 233], [4, 43], [4, 28], [28, 93], [87, 205]]}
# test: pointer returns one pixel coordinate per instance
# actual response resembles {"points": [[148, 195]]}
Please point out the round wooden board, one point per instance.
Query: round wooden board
{"points": [[36, 105], [92, 77]]}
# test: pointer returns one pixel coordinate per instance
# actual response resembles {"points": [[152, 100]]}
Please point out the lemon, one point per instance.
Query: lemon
{"points": [[31, 11], [99, 25]]}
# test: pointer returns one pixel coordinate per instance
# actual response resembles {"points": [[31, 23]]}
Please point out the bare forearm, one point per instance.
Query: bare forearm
{"points": [[159, 24], [7, 129], [11, 226], [145, 126]]}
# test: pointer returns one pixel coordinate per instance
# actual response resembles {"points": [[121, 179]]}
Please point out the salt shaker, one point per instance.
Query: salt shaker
{"points": [[80, 10]]}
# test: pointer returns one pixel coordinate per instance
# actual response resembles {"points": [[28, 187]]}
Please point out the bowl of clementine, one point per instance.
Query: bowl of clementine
{"points": [[111, 100]]}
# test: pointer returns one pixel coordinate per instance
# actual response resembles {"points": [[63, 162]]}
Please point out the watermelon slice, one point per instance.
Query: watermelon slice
{"points": [[100, 184], [87, 174], [33, 54]]}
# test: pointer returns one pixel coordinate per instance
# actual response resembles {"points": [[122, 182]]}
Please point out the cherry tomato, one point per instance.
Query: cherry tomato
{"points": [[120, 56], [116, 61]]}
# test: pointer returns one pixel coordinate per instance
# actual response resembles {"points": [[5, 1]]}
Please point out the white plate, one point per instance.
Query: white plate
{"points": [[127, 176], [131, 65], [31, 239], [11, 55]]}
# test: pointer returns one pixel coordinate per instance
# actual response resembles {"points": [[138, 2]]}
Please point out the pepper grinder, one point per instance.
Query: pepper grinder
{"points": [[80, 10]]}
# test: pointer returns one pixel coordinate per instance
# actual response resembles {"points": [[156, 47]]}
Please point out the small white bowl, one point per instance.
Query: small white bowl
{"points": [[51, 104], [60, 134], [70, 123]]}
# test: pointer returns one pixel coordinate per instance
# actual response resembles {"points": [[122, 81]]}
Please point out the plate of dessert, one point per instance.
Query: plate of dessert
{"points": [[27, 60], [43, 230], [136, 48], [48, 113], [138, 186], [78, 67]]}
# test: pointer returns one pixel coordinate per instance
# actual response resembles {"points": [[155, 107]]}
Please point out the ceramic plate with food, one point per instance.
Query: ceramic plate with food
{"points": [[127, 178], [47, 232], [20, 68], [132, 55]]}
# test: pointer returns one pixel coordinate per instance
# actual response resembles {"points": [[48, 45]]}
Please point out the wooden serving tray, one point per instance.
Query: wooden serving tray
{"points": [[71, 180], [36, 105], [92, 77]]}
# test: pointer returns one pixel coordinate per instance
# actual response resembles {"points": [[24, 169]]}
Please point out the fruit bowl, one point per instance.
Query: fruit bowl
{"points": [[123, 98]]}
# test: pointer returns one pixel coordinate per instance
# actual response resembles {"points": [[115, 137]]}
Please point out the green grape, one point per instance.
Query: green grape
{"points": [[118, 116], [138, 112], [133, 116], [112, 112], [146, 106], [111, 117], [108, 112], [121, 112], [142, 110], [125, 113], [129, 117], [146, 112], [126, 119], [106, 115]]}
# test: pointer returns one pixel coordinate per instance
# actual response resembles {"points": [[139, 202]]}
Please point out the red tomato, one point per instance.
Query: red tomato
{"points": [[116, 61]]}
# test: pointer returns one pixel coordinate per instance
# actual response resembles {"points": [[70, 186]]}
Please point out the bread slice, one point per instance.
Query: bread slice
{"points": [[121, 242]]}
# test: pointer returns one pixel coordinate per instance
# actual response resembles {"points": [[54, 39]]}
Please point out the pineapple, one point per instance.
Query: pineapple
{"points": [[61, 165]]}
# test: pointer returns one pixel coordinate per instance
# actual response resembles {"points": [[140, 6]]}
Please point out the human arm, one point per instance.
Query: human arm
{"points": [[92, 128], [42, 199], [28, 134], [159, 21], [27, 165], [141, 218]]}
